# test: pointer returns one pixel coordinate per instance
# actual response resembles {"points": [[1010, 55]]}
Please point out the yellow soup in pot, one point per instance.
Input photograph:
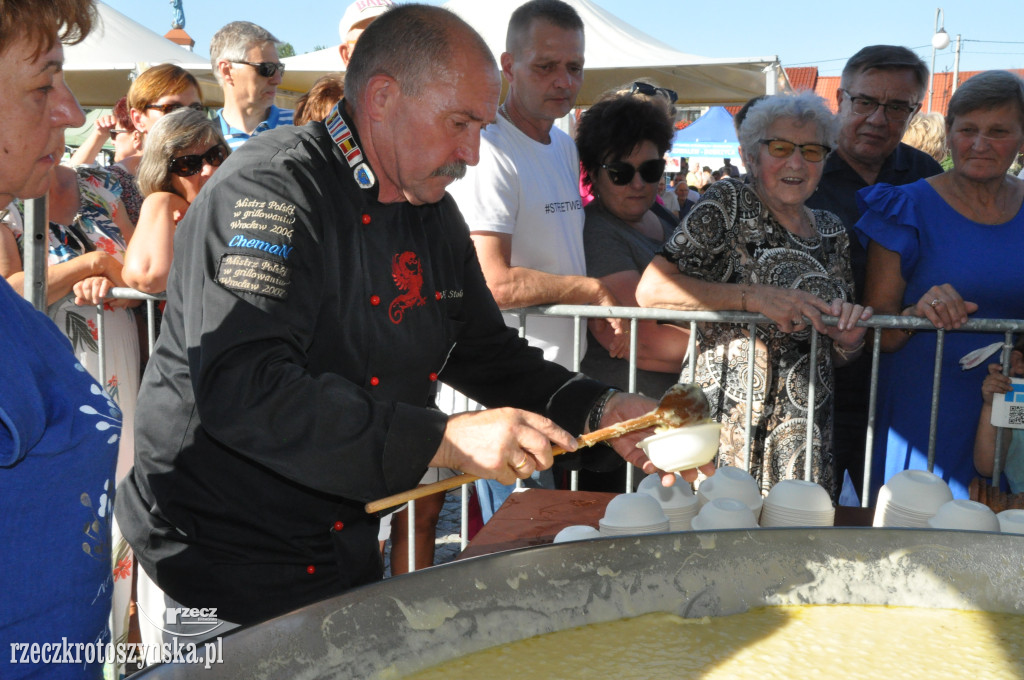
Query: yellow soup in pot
{"points": [[839, 642]]}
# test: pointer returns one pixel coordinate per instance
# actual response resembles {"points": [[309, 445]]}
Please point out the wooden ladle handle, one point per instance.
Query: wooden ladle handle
{"points": [[633, 424]]}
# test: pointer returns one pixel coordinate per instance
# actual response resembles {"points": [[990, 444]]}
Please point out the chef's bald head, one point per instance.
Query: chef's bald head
{"points": [[412, 44]]}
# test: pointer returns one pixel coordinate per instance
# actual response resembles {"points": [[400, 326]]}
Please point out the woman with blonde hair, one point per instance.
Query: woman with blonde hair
{"points": [[927, 132]]}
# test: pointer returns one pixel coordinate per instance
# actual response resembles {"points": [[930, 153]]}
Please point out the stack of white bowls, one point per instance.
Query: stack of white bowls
{"points": [[1011, 521], [678, 501], [633, 513], [724, 513], [734, 483], [797, 503], [910, 498], [577, 532], [964, 515]]}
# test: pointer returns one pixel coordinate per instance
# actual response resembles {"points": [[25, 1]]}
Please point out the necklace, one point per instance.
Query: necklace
{"points": [[503, 110]]}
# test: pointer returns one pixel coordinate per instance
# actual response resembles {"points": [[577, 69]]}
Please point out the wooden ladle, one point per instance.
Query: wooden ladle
{"points": [[683, 404]]}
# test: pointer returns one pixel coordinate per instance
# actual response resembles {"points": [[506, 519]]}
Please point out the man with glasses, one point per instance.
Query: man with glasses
{"points": [[522, 202], [881, 88], [245, 63]]}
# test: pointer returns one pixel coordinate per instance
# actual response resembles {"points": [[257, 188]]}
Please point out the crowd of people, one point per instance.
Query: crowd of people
{"points": [[329, 282]]}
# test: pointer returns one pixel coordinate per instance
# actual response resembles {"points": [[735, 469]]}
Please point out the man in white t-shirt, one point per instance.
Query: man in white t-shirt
{"points": [[522, 202]]}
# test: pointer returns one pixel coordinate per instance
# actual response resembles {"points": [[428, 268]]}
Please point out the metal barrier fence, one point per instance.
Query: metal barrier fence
{"points": [[580, 314]]}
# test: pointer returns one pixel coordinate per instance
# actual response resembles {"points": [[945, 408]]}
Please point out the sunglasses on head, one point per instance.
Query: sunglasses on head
{"points": [[115, 132], [186, 166], [621, 172], [267, 69], [174, 106], [781, 148], [653, 91]]}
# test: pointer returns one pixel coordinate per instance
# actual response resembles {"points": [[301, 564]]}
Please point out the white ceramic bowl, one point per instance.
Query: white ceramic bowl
{"points": [[577, 532], [724, 513], [799, 494], [731, 482], [679, 495], [633, 510], [1011, 521], [919, 491], [965, 515], [683, 448]]}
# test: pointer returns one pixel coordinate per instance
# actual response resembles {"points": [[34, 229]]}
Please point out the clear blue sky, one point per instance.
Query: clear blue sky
{"points": [[821, 33]]}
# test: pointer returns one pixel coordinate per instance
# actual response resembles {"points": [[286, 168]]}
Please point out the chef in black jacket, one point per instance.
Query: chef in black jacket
{"points": [[322, 282]]}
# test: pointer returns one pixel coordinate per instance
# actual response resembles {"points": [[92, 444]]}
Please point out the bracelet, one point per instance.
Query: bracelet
{"points": [[743, 298], [597, 410], [846, 352]]}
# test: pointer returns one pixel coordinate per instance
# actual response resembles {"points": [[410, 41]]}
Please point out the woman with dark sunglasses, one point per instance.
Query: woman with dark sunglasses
{"points": [[622, 140], [182, 151], [757, 248]]}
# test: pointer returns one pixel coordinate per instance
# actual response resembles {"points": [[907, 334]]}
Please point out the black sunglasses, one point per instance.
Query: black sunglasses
{"points": [[781, 148], [621, 172], [174, 106], [653, 91], [115, 132], [186, 166], [267, 69]]}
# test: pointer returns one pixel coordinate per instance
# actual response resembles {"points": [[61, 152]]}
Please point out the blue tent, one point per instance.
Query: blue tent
{"points": [[710, 136]]}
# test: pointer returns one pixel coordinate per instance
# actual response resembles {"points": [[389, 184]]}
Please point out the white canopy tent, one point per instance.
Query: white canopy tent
{"points": [[100, 69], [616, 54]]}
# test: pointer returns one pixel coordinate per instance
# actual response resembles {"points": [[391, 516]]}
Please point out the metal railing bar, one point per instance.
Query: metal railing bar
{"points": [[998, 459], [811, 396], [748, 440], [933, 422]]}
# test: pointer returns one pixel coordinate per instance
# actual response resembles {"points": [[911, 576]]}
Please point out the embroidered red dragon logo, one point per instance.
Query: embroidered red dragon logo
{"points": [[408, 276]]}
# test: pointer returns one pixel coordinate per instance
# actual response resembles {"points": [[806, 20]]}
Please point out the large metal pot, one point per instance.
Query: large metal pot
{"points": [[414, 621]]}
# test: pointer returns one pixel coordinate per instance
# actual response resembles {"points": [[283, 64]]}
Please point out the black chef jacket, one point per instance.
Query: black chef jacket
{"points": [[306, 325]]}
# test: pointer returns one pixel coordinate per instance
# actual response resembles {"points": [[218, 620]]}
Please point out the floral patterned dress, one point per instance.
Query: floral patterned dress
{"points": [[731, 237], [94, 229]]}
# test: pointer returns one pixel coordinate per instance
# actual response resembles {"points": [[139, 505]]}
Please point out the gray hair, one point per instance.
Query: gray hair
{"points": [[414, 45], [804, 107], [172, 134], [987, 90], [233, 42], [555, 12], [886, 58]]}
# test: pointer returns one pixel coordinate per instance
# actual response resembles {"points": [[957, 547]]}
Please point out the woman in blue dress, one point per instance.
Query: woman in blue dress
{"points": [[942, 249]]}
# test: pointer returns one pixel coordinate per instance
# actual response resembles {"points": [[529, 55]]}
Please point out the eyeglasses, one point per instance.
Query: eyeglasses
{"points": [[781, 148], [621, 173], [186, 166], [115, 132], [174, 106], [652, 91], [267, 69], [894, 111]]}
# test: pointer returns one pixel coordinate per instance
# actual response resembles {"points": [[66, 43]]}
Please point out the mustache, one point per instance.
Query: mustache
{"points": [[455, 170]]}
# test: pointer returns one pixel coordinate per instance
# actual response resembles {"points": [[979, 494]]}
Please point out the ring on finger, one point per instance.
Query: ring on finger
{"points": [[521, 464], [936, 302]]}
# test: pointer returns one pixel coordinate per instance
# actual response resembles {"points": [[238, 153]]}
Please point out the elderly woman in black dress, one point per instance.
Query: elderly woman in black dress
{"points": [[757, 248]]}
